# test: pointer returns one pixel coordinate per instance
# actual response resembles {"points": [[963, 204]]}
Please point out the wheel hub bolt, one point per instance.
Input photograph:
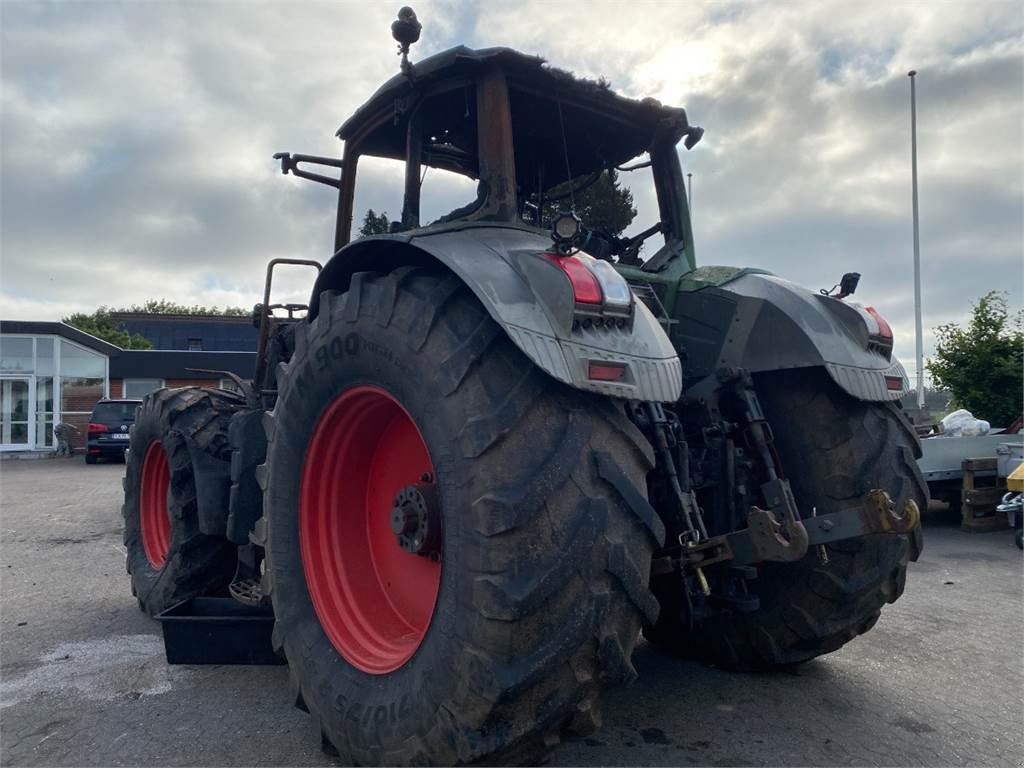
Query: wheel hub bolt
{"points": [[404, 519], [416, 520]]}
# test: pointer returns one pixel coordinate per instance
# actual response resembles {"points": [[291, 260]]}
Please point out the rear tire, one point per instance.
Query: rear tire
{"points": [[834, 449], [543, 574], [168, 557]]}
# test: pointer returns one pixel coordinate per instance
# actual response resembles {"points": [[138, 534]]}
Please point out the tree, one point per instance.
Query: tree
{"points": [[101, 325], [982, 365], [375, 224], [604, 206], [165, 307]]}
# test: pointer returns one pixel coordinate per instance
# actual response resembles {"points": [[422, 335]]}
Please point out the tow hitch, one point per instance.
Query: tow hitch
{"points": [[763, 539], [738, 470]]}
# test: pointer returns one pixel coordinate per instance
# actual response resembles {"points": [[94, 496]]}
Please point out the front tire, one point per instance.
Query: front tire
{"points": [[536, 601], [834, 449], [168, 558]]}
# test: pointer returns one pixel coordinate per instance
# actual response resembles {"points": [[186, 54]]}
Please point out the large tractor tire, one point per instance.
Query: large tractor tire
{"points": [[834, 449], [169, 558], [528, 594]]}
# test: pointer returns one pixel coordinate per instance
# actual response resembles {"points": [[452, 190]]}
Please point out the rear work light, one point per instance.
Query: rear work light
{"points": [[98, 428], [617, 295], [595, 283]]}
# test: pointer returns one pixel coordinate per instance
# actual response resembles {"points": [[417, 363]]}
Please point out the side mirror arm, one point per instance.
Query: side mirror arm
{"points": [[290, 163]]}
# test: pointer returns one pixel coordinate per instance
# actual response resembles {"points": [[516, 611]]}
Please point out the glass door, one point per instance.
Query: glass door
{"points": [[16, 425]]}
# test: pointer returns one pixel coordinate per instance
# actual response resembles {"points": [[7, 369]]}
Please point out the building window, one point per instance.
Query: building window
{"points": [[195, 345], [136, 389], [82, 382], [16, 355], [15, 401], [44, 381]]}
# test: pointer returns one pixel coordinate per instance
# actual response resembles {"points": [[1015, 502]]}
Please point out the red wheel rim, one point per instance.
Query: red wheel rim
{"points": [[374, 600], [153, 518]]}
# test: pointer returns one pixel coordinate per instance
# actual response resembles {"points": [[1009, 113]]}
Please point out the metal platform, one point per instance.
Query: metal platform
{"points": [[218, 630], [942, 456]]}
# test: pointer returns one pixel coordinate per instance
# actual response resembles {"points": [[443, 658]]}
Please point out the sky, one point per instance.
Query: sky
{"points": [[136, 138]]}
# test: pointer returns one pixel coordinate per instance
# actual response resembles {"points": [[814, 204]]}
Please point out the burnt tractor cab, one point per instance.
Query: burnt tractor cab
{"points": [[532, 138], [501, 441]]}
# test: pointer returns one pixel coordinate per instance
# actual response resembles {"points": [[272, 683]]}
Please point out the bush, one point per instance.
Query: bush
{"points": [[982, 365]]}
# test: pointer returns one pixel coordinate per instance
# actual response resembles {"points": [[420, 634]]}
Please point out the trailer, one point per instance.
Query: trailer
{"points": [[950, 464]]}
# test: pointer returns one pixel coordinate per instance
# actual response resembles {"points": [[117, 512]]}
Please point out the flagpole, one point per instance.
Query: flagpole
{"points": [[917, 243]]}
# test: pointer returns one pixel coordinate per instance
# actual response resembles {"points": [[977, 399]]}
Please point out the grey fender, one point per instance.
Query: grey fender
{"points": [[764, 323], [530, 298]]}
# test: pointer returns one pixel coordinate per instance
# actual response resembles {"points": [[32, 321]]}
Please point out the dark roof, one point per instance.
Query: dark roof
{"points": [[36, 327], [175, 364], [172, 316], [222, 333], [627, 127]]}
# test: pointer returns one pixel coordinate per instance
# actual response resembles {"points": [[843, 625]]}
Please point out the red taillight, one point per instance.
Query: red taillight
{"points": [[585, 287], [884, 331], [98, 428], [894, 383], [601, 371]]}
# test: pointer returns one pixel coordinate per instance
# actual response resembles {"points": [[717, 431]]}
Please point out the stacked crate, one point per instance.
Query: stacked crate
{"points": [[982, 490]]}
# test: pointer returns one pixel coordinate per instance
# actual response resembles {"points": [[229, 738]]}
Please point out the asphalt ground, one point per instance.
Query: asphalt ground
{"points": [[83, 679]]}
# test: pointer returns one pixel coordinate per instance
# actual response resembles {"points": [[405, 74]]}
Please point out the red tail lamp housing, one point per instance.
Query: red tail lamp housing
{"points": [[884, 331], [98, 428], [600, 370], [584, 283]]}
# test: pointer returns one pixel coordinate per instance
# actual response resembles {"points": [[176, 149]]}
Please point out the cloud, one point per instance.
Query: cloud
{"points": [[136, 139]]}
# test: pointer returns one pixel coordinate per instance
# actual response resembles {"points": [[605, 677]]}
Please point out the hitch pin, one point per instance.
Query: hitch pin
{"points": [[703, 582], [822, 552], [701, 578]]}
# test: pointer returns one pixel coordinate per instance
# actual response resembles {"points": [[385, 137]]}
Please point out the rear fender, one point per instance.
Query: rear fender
{"points": [[530, 299], [760, 322], [248, 441], [212, 477]]}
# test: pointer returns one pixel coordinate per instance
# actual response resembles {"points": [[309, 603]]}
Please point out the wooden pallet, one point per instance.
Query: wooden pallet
{"points": [[978, 504]]}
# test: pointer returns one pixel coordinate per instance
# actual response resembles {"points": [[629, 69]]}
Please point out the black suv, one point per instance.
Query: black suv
{"points": [[109, 429]]}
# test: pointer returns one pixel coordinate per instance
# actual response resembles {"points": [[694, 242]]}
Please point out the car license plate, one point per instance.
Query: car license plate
{"points": [[121, 436]]}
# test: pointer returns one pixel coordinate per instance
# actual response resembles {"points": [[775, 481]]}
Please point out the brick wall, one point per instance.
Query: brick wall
{"points": [[80, 396], [116, 388]]}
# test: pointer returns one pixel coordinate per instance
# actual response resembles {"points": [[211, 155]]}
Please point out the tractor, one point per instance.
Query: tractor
{"points": [[497, 448]]}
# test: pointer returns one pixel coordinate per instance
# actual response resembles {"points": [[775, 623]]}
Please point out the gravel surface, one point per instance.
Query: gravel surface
{"points": [[83, 680]]}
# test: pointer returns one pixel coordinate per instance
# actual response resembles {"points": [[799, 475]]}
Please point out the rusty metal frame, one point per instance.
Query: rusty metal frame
{"points": [[290, 164], [266, 310], [763, 541], [353, 151]]}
